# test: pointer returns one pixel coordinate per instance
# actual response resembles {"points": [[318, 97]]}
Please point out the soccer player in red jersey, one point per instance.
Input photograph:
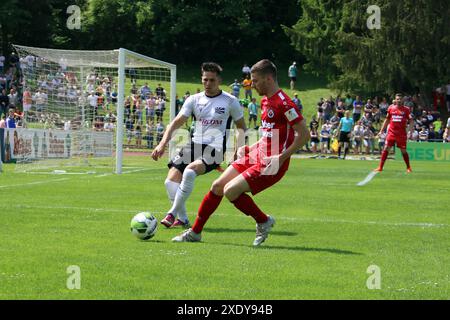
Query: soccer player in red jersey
{"points": [[398, 118], [260, 165]]}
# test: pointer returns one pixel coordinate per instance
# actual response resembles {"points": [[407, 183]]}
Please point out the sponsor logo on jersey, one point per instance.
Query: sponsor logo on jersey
{"points": [[267, 125], [208, 122], [397, 118], [220, 110]]}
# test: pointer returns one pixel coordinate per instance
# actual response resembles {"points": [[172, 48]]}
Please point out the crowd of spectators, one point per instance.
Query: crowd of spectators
{"points": [[95, 92], [368, 116], [59, 98]]}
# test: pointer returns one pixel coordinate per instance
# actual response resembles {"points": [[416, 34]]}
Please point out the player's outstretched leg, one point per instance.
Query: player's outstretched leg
{"points": [[188, 236], [209, 204], [235, 192], [264, 223]]}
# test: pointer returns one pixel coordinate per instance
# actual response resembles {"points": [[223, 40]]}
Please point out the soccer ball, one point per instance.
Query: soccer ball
{"points": [[144, 225]]}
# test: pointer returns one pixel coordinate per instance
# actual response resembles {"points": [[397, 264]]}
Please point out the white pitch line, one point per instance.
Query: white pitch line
{"points": [[369, 178], [124, 172], [299, 219], [33, 183]]}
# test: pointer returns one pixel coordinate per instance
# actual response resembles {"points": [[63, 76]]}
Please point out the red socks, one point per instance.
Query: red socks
{"points": [[246, 204], [406, 158], [211, 201], [384, 156], [209, 204]]}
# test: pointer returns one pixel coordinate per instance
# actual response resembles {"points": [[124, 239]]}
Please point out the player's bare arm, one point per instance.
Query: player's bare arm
{"points": [[240, 137], [174, 125], [384, 126], [301, 137]]}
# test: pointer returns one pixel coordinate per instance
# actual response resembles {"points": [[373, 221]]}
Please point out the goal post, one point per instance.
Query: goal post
{"points": [[123, 56], [79, 91]]}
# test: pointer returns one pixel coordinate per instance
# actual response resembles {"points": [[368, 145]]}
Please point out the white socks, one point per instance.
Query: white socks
{"points": [[171, 188], [182, 193]]}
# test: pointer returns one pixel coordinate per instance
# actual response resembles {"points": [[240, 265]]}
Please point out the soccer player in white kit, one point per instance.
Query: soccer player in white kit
{"points": [[213, 110]]}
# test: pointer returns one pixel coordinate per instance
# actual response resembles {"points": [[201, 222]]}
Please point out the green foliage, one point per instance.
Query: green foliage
{"points": [[410, 50], [194, 31], [178, 31], [314, 35]]}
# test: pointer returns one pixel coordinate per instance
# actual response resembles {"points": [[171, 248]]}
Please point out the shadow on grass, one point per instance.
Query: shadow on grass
{"points": [[296, 248], [279, 233], [307, 249], [225, 230]]}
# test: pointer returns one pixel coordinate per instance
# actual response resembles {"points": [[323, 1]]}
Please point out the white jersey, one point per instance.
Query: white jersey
{"points": [[213, 116]]}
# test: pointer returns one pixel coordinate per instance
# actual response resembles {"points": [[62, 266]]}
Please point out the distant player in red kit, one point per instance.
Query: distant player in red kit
{"points": [[398, 117], [260, 165]]}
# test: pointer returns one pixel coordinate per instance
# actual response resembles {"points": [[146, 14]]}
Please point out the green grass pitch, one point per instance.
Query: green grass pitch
{"points": [[328, 233]]}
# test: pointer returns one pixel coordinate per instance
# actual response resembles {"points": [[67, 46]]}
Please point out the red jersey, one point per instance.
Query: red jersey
{"points": [[278, 114], [399, 118]]}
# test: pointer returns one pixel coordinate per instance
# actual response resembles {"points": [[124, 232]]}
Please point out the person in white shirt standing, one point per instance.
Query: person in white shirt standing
{"points": [[40, 99], [93, 105], [213, 110]]}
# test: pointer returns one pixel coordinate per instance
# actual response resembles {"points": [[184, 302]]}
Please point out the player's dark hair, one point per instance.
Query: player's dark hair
{"points": [[211, 67], [399, 95], [265, 67]]}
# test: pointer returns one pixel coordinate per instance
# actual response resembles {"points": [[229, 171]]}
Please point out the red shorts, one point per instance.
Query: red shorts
{"points": [[252, 173], [400, 141]]}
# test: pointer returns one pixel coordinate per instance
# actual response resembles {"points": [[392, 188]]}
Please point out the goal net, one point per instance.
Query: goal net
{"points": [[82, 109]]}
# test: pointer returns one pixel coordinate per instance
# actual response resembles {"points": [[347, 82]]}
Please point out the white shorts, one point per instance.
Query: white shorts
{"points": [[26, 107]]}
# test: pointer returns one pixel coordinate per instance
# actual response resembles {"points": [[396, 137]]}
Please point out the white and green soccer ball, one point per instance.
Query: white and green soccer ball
{"points": [[144, 225]]}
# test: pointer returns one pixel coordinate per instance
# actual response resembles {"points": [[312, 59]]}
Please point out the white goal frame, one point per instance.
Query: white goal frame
{"points": [[121, 59], [123, 53]]}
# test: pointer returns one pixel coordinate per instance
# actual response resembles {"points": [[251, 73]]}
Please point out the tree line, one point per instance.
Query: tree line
{"points": [[408, 52], [410, 49]]}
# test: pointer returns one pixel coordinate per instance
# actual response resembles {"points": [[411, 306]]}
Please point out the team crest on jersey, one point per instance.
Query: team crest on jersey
{"points": [[270, 113], [220, 110]]}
